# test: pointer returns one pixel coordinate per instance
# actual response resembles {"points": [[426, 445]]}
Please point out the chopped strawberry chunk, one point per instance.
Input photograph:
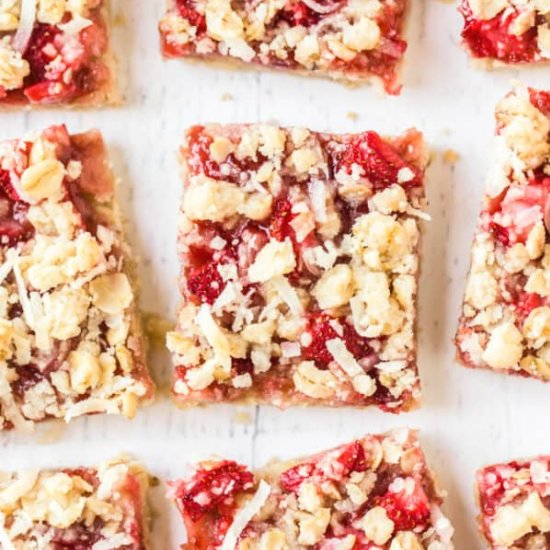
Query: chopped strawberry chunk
{"points": [[7, 187], [541, 100], [205, 282], [297, 13], [292, 478], [281, 217], [211, 489], [407, 511], [14, 226], [50, 92], [321, 331], [188, 10], [524, 205], [380, 161], [353, 459], [492, 38], [41, 50], [527, 302]]}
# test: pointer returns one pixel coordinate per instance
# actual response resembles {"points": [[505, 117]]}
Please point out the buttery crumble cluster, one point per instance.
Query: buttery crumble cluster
{"points": [[69, 335], [354, 39], [299, 267], [375, 492], [513, 500], [505, 323], [102, 508]]}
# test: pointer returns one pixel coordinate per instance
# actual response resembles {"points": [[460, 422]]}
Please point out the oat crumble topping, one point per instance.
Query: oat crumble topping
{"points": [[353, 40], [376, 492], [101, 508], [70, 342], [505, 322], [299, 267]]}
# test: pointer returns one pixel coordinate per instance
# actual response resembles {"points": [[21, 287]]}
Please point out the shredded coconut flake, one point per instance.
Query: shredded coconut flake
{"points": [[92, 405], [343, 357], [23, 294], [26, 25], [244, 515], [318, 195], [288, 294], [112, 543], [75, 25]]}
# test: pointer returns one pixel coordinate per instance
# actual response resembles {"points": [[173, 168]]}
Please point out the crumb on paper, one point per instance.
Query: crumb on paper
{"points": [[227, 97], [352, 115], [119, 20], [450, 156], [242, 417], [156, 328]]}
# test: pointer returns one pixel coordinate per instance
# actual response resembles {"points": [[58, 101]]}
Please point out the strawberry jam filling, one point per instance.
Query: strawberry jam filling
{"points": [[407, 511], [494, 39]]}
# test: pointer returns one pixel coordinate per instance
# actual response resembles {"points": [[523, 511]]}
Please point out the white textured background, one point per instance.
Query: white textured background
{"points": [[468, 418]]}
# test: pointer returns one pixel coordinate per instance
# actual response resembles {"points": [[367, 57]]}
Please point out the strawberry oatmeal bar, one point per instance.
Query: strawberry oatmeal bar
{"points": [[515, 510], [70, 340], [508, 32], [505, 322], [299, 267], [101, 508], [55, 52], [348, 40], [376, 492]]}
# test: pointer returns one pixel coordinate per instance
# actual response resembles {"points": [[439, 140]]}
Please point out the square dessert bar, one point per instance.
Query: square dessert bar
{"points": [[508, 32], [348, 40], [70, 338], [376, 492], [299, 259], [505, 321], [55, 52], [102, 508], [515, 511]]}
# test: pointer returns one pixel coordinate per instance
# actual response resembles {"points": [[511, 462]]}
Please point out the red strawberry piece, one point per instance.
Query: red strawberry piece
{"points": [[210, 489], [281, 217], [527, 302], [6, 185], [321, 331], [14, 226], [407, 511], [292, 478], [50, 92], [492, 37], [297, 13], [380, 161], [188, 10], [41, 50], [353, 459], [205, 282], [541, 100]]}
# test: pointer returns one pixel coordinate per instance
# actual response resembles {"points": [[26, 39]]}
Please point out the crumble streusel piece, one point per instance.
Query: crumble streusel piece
{"points": [[55, 52], [505, 321], [376, 492], [299, 259], [100, 508], [349, 40], [70, 337]]}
